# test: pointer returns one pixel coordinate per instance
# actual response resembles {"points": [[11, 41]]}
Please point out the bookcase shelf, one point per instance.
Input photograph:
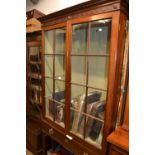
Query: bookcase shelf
{"points": [[35, 62], [33, 82], [36, 87], [34, 76]]}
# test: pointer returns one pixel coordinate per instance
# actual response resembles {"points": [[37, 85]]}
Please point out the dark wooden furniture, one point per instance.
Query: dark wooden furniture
{"points": [[32, 22], [119, 139], [34, 14], [33, 76], [50, 145], [33, 87], [82, 58], [34, 137]]}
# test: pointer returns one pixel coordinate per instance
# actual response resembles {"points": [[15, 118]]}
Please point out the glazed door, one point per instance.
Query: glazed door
{"points": [[54, 74], [91, 59], [89, 76], [79, 78]]}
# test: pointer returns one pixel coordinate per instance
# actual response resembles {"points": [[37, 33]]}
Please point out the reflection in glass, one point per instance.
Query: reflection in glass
{"points": [[100, 36], [79, 38], [78, 69], [48, 109], [101, 94], [56, 103], [78, 92], [34, 50], [77, 123], [34, 55], [49, 42], [60, 40], [35, 95], [98, 72], [94, 130], [56, 107], [34, 69], [59, 113], [95, 102], [59, 86], [48, 87], [60, 67], [48, 65]]}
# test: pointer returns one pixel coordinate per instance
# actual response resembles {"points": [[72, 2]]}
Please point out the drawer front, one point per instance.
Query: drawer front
{"points": [[71, 145], [62, 139], [34, 140]]}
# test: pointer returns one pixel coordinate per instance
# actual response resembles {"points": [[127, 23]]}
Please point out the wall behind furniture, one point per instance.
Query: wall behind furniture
{"points": [[49, 6]]}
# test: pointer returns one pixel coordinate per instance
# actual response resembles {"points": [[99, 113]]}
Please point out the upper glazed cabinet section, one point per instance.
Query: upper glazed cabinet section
{"points": [[84, 61], [80, 61]]}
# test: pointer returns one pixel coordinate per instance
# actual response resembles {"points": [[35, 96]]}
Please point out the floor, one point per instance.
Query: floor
{"points": [[28, 152]]}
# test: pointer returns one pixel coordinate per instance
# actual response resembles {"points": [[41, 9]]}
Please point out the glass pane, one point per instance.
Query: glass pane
{"points": [[94, 131], [78, 69], [49, 108], [100, 36], [33, 50], [34, 55], [60, 67], [78, 97], [48, 87], [60, 40], [49, 65], [59, 96], [55, 110], [59, 86], [58, 102], [34, 69], [98, 72], [35, 82], [77, 123], [78, 94], [59, 113], [49, 42], [35, 95], [79, 38], [96, 101]]}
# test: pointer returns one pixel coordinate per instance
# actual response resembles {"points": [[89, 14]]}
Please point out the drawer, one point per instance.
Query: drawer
{"points": [[62, 139], [34, 140], [71, 145]]}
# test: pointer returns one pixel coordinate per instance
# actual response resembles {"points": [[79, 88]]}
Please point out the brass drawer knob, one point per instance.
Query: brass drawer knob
{"points": [[69, 137]]}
